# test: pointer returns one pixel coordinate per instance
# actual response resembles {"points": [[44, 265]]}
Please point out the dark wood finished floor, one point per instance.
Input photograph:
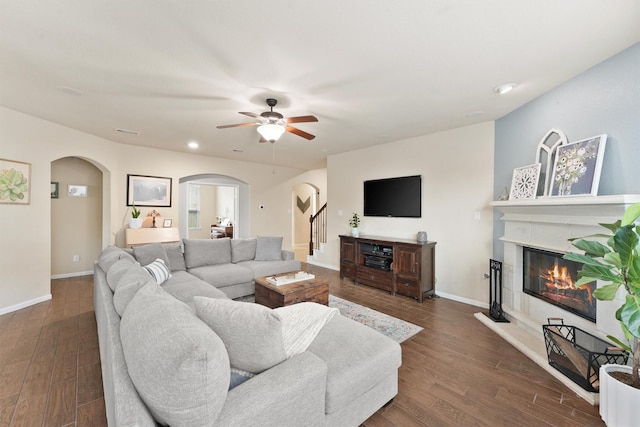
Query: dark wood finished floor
{"points": [[455, 372]]}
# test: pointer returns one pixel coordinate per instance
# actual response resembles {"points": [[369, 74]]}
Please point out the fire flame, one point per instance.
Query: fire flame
{"points": [[559, 278]]}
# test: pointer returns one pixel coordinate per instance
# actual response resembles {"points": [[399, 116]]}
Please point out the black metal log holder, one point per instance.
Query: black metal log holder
{"points": [[578, 354], [495, 292]]}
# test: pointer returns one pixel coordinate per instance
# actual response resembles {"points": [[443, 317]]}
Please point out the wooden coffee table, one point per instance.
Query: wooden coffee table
{"points": [[273, 296]]}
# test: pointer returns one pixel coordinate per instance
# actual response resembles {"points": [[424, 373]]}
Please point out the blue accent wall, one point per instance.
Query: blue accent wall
{"points": [[603, 99]]}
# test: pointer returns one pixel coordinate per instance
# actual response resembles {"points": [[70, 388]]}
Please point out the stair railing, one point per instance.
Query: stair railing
{"points": [[318, 229]]}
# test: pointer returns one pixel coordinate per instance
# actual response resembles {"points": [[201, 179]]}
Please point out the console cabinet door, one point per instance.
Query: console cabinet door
{"points": [[348, 258], [407, 261]]}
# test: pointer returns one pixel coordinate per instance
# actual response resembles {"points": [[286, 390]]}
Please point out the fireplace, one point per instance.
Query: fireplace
{"points": [[550, 278]]}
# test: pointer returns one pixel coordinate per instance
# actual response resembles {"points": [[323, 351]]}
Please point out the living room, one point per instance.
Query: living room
{"points": [[463, 169]]}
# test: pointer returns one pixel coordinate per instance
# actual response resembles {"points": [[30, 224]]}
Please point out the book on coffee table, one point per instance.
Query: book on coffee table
{"points": [[290, 278]]}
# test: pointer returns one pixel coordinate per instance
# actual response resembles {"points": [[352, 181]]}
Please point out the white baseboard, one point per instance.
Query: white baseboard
{"points": [[462, 299], [319, 264], [67, 275], [24, 304]]}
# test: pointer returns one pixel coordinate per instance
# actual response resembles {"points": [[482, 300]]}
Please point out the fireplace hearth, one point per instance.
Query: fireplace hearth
{"points": [[549, 277]]}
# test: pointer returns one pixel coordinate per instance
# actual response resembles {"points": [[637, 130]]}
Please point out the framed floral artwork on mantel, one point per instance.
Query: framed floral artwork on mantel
{"points": [[577, 167], [15, 182]]}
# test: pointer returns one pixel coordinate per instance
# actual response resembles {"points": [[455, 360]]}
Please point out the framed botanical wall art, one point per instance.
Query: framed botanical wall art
{"points": [[15, 182], [577, 167], [524, 183], [148, 191]]}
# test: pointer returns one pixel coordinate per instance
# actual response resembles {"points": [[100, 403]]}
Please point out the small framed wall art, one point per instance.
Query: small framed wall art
{"points": [[577, 167], [77, 190], [15, 182], [55, 190], [148, 191], [166, 223], [524, 184]]}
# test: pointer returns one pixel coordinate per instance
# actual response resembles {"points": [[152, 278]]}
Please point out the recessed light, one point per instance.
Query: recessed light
{"points": [[193, 145], [504, 88]]}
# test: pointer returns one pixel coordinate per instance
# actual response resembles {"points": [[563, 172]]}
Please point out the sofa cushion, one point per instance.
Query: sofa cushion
{"points": [[185, 286], [223, 274], [268, 248], [269, 268], [116, 271], [129, 284], [175, 256], [179, 365], [357, 358], [146, 254], [243, 249], [199, 252], [158, 270], [110, 255], [252, 333]]}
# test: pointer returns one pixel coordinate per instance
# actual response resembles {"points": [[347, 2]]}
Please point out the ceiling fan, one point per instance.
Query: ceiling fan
{"points": [[271, 124]]}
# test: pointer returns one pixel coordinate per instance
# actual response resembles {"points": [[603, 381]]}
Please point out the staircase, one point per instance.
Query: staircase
{"points": [[318, 230]]}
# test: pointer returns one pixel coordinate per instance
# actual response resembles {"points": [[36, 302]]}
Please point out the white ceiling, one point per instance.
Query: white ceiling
{"points": [[372, 71]]}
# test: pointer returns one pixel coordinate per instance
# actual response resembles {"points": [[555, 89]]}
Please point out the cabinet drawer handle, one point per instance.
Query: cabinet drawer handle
{"points": [[406, 285], [372, 277]]}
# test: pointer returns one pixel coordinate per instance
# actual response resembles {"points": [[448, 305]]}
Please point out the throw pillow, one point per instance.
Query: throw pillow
{"points": [[110, 255], [252, 333], [146, 254], [175, 256], [116, 271], [301, 323], [158, 270], [243, 250], [178, 365], [268, 248], [129, 284], [199, 252]]}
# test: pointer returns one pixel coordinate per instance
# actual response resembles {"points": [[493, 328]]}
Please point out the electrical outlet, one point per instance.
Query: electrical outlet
{"points": [[76, 258]]}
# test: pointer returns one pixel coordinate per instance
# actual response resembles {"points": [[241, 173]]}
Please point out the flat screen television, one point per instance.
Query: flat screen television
{"points": [[399, 197]]}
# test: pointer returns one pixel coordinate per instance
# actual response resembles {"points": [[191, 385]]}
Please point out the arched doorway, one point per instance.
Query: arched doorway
{"points": [[78, 221], [231, 202]]}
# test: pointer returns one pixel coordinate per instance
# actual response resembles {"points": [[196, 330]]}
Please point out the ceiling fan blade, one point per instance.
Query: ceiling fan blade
{"points": [[236, 125], [301, 119], [300, 132], [249, 114]]}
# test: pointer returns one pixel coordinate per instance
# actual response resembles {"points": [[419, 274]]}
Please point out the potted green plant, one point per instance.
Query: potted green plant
{"points": [[617, 263], [135, 221], [354, 222]]}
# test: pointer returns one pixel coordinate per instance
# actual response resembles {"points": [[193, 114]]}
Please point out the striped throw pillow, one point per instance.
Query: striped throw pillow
{"points": [[158, 270]]}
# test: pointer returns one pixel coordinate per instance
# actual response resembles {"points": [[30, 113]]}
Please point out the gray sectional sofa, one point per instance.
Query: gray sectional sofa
{"points": [[180, 351]]}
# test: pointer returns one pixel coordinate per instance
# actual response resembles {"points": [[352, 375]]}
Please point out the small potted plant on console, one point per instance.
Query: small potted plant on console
{"points": [[135, 221], [354, 222], [617, 263]]}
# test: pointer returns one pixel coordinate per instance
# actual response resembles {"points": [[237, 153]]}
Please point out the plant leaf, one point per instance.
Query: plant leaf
{"points": [[624, 241], [630, 315], [611, 227], [592, 248], [606, 292], [583, 259], [619, 343], [631, 214]]}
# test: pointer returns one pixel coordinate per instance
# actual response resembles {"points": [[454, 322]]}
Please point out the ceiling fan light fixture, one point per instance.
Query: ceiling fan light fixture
{"points": [[271, 132]]}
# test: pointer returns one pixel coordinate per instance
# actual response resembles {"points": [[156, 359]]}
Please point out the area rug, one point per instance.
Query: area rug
{"points": [[396, 329]]}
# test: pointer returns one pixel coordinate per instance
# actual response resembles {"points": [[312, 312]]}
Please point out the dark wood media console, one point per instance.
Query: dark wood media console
{"points": [[399, 266]]}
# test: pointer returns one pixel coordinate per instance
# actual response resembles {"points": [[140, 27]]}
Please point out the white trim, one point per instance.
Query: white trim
{"points": [[24, 304], [319, 264], [77, 274], [462, 299]]}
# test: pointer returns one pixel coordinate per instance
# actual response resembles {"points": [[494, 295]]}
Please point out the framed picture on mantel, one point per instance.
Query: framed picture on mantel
{"points": [[577, 167]]}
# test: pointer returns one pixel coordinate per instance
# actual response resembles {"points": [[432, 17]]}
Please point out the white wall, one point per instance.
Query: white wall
{"points": [[25, 252], [457, 181]]}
